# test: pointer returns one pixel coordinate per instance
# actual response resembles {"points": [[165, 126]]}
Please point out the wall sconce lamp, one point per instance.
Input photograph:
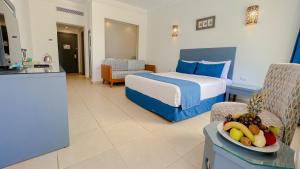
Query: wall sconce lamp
{"points": [[252, 15], [175, 31]]}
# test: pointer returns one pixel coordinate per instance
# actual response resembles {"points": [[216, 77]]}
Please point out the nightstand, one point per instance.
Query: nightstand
{"points": [[240, 90]]}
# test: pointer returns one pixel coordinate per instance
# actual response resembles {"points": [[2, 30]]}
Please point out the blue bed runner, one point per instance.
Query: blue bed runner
{"points": [[190, 91]]}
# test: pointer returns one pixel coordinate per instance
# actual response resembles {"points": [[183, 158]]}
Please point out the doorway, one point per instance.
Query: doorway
{"points": [[71, 48]]}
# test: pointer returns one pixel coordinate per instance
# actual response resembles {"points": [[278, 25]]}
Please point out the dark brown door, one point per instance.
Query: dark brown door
{"points": [[68, 51], [83, 56]]}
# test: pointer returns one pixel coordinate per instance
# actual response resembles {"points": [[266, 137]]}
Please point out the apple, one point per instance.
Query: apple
{"points": [[236, 134], [270, 138]]}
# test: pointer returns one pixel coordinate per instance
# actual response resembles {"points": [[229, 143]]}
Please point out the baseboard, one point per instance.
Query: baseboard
{"points": [[96, 82]]}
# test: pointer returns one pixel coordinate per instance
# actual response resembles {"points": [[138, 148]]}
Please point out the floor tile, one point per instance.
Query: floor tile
{"points": [[181, 139], [48, 161], [147, 119], [108, 160], [195, 156], [74, 98], [181, 164], [95, 102], [83, 147], [124, 132], [195, 123], [81, 122], [109, 115], [148, 153], [79, 108]]}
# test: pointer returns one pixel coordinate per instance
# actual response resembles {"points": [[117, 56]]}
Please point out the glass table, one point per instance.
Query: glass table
{"points": [[220, 153]]}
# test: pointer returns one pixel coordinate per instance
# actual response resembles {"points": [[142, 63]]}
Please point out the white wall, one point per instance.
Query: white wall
{"points": [[270, 41], [110, 9], [38, 19], [43, 29], [121, 40]]}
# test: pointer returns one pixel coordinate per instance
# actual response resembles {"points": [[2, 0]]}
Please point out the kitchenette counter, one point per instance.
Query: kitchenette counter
{"points": [[33, 113], [33, 70]]}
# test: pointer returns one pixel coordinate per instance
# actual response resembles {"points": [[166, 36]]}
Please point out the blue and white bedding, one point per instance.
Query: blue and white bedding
{"points": [[170, 93], [190, 91]]}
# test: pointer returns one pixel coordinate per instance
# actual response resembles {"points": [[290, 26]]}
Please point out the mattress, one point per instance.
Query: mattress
{"points": [[170, 94]]}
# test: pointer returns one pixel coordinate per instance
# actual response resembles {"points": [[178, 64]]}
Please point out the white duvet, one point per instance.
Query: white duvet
{"points": [[169, 93]]}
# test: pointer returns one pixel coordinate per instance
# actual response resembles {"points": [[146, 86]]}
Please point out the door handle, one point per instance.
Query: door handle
{"points": [[75, 56]]}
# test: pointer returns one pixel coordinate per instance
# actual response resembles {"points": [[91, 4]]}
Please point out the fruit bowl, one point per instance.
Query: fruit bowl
{"points": [[267, 149]]}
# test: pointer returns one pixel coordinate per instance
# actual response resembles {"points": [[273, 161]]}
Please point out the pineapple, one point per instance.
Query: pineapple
{"points": [[256, 104]]}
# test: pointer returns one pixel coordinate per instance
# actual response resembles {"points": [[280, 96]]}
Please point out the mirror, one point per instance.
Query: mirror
{"points": [[4, 34], [10, 46]]}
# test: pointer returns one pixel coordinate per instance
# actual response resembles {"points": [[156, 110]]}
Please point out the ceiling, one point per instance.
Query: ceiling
{"points": [[79, 1], [146, 4]]}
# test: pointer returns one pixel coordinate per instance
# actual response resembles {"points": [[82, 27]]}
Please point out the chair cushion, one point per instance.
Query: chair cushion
{"points": [[123, 74], [221, 110], [134, 65], [270, 119], [117, 64]]}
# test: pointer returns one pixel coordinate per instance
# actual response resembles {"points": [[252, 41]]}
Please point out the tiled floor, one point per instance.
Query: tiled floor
{"points": [[109, 132]]}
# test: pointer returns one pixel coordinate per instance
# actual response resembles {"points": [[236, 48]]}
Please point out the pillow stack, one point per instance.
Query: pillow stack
{"points": [[226, 68], [186, 67], [205, 68], [212, 70]]}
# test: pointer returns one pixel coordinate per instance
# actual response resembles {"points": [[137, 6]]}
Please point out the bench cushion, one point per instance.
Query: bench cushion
{"points": [[117, 64], [136, 65], [123, 74]]}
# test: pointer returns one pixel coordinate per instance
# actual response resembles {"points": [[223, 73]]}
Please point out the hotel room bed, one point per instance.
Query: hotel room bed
{"points": [[169, 93], [165, 98]]}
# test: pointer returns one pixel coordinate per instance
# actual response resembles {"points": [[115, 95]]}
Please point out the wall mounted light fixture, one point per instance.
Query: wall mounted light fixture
{"points": [[175, 31], [252, 15]]}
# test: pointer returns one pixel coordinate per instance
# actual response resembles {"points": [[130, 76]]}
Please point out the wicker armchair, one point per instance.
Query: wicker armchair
{"points": [[281, 101]]}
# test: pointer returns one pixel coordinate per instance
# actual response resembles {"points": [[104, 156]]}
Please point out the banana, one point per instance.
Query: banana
{"points": [[241, 127], [236, 116]]}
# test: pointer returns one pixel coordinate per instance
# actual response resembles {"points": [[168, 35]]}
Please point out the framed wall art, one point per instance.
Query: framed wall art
{"points": [[206, 23]]}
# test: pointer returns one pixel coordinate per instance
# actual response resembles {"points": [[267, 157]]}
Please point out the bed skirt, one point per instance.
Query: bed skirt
{"points": [[172, 114]]}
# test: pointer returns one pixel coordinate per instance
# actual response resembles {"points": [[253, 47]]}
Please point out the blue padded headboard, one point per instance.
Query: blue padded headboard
{"points": [[211, 54]]}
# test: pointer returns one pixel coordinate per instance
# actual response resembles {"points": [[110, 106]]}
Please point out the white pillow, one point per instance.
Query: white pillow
{"points": [[225, 69], [186, 61]]}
